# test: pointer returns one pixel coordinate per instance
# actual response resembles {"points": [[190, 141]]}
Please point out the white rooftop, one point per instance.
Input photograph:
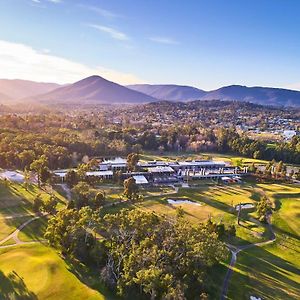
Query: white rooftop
{"points": [[117, 160], [99, 173], [160, 170], [140, 179]]}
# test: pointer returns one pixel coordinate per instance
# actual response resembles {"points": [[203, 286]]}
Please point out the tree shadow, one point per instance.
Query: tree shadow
{"points": [[12, 286], [262, 274], [90, 276], [36, 229]]}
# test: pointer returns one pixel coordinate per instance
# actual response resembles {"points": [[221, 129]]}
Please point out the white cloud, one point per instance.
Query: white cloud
{"points": [[115, 34], [55, 1], [19, 61], [52, 1], [163, 40], [101, 11]]}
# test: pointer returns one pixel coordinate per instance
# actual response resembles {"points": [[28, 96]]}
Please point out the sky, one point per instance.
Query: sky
{"points": [[206, 44]]}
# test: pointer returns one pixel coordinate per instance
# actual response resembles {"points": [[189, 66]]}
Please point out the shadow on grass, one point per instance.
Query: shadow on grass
{"points": [[12, 286], [35, 230], [90, 277], [263, 274]]}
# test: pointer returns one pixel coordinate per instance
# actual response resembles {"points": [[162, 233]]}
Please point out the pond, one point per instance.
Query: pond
{"points": [[182, 201]]}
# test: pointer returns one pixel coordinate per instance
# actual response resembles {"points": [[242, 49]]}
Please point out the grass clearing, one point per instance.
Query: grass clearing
{"points": [[34, 231], [273, 271], [37, 272], [8, 226], [15, 199]]}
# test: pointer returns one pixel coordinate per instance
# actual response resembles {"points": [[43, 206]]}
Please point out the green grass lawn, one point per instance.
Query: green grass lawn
{"points": [[273, 271], [8, 226], [16, 202], [37, 272], [15, 199], [217, 202], [172, 156], [34, 230]]}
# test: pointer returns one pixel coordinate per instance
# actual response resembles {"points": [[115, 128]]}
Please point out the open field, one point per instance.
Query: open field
{"points": [[37, 272], [202, 155], [273, 271], [7, 226], [15, 199], [34, 231]]}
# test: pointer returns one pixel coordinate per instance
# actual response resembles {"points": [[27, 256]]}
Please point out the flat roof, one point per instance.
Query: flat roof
{"points": [[117, 160], [140, 179], [99, 173], [201, 163], [160, 169]]}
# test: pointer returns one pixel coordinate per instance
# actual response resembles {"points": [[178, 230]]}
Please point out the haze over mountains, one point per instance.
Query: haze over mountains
{"points": [[17, 89], [258, 95], [97, 90], [169, 91], [93, 90]]}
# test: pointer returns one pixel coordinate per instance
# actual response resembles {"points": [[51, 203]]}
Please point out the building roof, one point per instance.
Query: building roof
{"points": [[140, 179], [160, 170], [202, 163], [115, 161], [99, 173]]}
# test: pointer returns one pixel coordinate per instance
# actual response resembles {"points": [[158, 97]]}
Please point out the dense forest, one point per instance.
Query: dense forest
{"points": [[66, 139], [141, 255]]}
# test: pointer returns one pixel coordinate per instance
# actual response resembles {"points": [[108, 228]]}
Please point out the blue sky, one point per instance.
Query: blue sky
{"points": [[206, 44]]}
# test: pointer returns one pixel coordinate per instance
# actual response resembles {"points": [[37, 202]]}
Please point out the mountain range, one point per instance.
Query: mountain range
{"points": [[93, 90], [18, 89], [169, 92], [97, 90]]}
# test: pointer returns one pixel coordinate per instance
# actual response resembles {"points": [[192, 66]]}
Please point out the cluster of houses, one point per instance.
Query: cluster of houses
{"points": [[164, 172]]}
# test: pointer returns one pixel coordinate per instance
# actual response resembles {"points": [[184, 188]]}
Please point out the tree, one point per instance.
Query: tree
{"points": [[253, 168], [69, 232], [49, 205], [263, 208], [132, 160], [37, 203], [98, 200], [81, 171], [157, 257], [82, 192], [231, 230], [45, 175], [130, 188], [257, 154], [26, 179], [71, 178], [38, 165], [26, 157]]}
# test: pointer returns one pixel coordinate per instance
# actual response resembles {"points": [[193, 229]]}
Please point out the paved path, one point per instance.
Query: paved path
{"points": [[14, 235], [67, 190], [234, 252]]}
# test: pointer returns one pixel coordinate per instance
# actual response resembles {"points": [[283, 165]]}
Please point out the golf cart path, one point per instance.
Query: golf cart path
{"points": [[15, 234], [234, 252], [67, 190]]}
